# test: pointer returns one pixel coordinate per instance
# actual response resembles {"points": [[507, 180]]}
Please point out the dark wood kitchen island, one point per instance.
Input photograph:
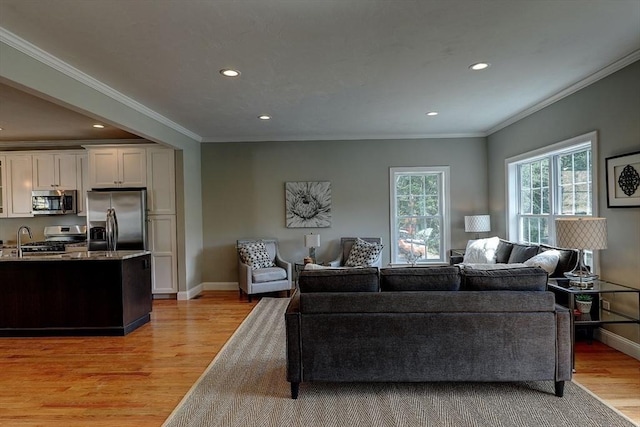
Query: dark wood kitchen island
{"points": [[78, 293]]}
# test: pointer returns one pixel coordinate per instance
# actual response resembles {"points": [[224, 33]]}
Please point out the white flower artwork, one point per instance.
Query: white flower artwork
{"points": [[308, 204]]}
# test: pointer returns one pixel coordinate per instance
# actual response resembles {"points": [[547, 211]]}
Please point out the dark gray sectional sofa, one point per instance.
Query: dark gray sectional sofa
{"points": [[512, 252], [426, 324]]}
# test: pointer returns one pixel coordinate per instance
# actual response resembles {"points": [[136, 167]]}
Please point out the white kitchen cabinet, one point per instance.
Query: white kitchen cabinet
{"points": [[18, 185], [117, 167], [163, 247], [54, 171], [3, 188], [82, 178], [161, 180]]}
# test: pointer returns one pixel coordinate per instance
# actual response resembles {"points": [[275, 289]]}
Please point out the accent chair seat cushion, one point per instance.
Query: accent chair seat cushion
{"points": [[268, 274]]}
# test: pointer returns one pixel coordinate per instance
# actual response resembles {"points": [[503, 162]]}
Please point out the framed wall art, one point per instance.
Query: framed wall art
{"points": [[623, 180], [308, 204]]}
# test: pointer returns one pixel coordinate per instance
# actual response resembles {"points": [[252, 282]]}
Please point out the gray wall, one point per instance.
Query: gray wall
{"points": [[243, 191], [610, 106]]}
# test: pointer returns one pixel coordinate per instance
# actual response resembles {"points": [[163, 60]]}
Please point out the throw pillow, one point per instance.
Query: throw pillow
{"points": [[481, 251], [363, 253], [547, 260], [256, 255]]}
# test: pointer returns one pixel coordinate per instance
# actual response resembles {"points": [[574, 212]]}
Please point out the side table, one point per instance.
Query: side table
{"points": [[598, 315]]}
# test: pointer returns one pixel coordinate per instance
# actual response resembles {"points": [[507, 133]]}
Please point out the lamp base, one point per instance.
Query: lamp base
{"points": [[581, 276]]}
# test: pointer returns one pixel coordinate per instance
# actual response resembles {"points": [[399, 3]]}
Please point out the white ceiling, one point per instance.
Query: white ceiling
{"points": [[324, 69]]}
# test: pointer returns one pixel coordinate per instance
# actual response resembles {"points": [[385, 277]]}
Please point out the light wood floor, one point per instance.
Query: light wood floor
{"points": [[137, 380]]}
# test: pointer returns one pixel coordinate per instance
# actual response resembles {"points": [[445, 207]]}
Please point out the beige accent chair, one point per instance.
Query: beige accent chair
{"points": [[261, 280], [346, 243]]}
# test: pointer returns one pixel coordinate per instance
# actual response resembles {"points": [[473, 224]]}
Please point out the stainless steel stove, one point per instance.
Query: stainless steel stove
{"points": [[57, 237]]}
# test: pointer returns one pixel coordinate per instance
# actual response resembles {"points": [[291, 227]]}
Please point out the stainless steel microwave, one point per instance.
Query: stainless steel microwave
{"points": [[53, 202]]}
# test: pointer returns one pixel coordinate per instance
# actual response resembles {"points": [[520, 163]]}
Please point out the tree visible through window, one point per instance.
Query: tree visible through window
{"points": [[419, 219], [548, 184]]}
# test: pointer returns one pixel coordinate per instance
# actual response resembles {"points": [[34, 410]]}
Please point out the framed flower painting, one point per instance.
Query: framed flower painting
{"points": [[308, 204]]}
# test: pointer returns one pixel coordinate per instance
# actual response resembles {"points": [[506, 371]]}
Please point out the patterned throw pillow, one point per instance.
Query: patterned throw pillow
{"points": [[363, 253], [256, 255]]}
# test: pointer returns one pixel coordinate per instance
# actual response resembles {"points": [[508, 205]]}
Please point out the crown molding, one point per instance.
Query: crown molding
{"points": [[316, 138], [49, 60], [66, 143], [598, 75]]}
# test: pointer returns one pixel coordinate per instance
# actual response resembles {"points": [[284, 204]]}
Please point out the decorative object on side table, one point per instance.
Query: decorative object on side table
{"points": [[311, 241], [581, 233], [583, 303], [477, 224], [623, 180]]}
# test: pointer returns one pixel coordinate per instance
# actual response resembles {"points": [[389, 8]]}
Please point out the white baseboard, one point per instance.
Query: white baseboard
{"points": [[191, 293], [621, 344], [208, 286]]}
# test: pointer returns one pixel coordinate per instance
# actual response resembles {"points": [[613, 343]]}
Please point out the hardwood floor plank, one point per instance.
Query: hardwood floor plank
{"points": [[137, 380]]}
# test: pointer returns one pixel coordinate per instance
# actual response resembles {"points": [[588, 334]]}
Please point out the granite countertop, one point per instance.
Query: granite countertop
{"points": [[73, 256]]}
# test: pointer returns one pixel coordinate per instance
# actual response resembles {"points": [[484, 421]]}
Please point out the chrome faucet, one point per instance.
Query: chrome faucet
{"points": [[22, 227]]}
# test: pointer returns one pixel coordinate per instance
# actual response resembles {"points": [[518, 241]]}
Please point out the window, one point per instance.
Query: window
{"points": [[419, 215], [549, 183]]}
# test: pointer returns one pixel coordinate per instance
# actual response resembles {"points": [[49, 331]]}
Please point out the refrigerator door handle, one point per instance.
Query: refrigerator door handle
{"points": [[115, 230]]}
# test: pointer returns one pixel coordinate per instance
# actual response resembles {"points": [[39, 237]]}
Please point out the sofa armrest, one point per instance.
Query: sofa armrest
{"points": [[455, 259], [564, 362], [294, 344]]}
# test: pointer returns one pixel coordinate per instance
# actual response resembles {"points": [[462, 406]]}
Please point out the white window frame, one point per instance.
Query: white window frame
{"points": [[445, 232], [513, 194]]}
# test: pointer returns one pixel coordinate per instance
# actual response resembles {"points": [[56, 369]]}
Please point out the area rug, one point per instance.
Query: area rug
{"points": [[245, 385]]}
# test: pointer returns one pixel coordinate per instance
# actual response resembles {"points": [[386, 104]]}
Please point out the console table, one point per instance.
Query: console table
{"points": [[599, 315]]}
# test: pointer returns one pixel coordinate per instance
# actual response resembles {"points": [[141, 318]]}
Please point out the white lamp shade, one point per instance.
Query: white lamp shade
{"points": [[581, 233], [311, 240], [477, 223]]}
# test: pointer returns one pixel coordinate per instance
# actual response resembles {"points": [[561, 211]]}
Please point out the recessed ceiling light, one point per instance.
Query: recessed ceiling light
{"points": [[432, 113], [227, 72], [479, 66], [98, 126], [264, 117]]}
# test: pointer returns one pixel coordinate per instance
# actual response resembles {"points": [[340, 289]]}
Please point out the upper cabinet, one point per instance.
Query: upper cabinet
{"points": [[117, 167], [54, 171], [18, 185], [161, 179], [82, 178]]}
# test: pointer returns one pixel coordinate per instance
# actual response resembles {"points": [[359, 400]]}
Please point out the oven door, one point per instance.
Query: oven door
{"points": [[54, 202]]}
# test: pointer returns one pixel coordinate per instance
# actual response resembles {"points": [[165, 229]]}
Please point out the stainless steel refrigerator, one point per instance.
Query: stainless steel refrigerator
{"points": [[117, 219]]}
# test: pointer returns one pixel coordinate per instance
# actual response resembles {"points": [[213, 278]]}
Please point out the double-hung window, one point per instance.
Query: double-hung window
{"points": [[557, 181], [419, 215]]}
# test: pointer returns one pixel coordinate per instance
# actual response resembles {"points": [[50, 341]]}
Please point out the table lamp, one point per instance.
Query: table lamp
{"points": [[312, 241], [581, 233], [477, 224]]}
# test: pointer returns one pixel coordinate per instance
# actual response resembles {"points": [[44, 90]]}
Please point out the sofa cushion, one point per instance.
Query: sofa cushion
{"points": [[521, 253], [420, 279], [268, 274], [481, 250], [566, 262], [340, 280], [255, 254], [363, 253], [503, 252], [547, 260], [514, 279]]}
